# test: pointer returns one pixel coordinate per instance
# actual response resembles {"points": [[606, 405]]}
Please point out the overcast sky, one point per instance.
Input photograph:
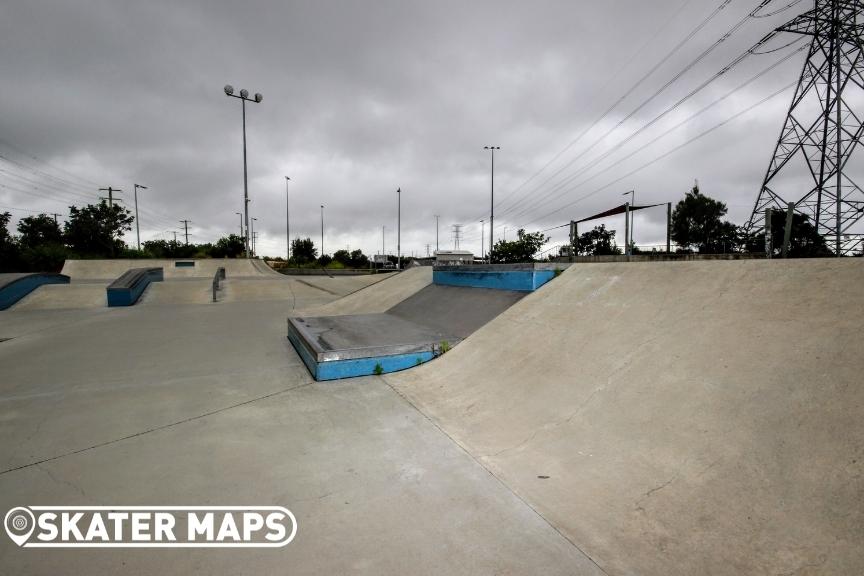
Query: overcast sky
{"points": [[363, 97]]}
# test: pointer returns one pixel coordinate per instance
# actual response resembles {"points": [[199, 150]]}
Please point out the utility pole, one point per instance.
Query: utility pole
{"points": [[287, 219], [241, 223], [492, 198], [322, 230], [110, 191], [252, 231], [383, 251], [137, 227], [175, 236], [482, 239], [436, 231], [186, 227], [55, 219], [427, 249], [399, 228]]}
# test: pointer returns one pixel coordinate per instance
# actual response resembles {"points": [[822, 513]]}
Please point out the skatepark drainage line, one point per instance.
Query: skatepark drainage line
{"points": [[492, 474], [157, 428]]}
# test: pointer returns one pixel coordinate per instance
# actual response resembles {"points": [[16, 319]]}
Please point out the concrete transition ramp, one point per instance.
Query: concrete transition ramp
{"points": [[674, 418], [376, 298], [177, 268]]}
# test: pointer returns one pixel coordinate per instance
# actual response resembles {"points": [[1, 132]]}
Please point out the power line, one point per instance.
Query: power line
{"points": [[693, 63], [546, 198], [638, 83], [670, 152]]}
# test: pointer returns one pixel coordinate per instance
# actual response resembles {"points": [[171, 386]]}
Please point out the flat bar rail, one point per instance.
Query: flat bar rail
{"points": [[220, 275]]}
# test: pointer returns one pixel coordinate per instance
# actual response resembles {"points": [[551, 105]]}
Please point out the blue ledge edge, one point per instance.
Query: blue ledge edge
{"points": [[338, 369]]}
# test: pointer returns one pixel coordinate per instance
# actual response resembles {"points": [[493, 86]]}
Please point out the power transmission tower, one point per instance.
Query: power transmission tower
{"points": [[186, 228], [811, 162], [457, 235]]}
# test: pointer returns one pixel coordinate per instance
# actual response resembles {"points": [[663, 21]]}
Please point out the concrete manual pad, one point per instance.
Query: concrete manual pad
{"points": [[366, 335]]}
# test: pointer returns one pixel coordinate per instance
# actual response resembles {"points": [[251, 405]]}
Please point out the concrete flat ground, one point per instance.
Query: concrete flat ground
{"points": [[190, 404]]}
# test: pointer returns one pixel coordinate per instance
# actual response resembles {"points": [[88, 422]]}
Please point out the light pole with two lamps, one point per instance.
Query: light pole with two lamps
{"points": [[244, 97]]}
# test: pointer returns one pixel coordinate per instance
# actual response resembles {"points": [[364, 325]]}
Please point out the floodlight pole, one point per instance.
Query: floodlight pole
{"points": [[399, 228], [632, 194], [287, 219], [243, 97], [137, 226]]}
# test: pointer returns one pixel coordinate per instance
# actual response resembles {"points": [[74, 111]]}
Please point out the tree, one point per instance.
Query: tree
{"points": [[523, 249], [597, 242], [38, 230], [697, 224], [230, 246], [359, 260], [97, 230], [805, 241], [10, 256], [303, 251], [343, 257]]}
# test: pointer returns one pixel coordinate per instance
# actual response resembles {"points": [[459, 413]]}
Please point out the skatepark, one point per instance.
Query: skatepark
{"points": [[649, 418]]}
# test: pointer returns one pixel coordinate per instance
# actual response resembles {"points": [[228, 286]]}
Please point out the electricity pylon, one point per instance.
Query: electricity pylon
{"points": [[811, 165]]}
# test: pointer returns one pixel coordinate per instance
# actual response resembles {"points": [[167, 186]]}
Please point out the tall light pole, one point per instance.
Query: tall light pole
{"points": [[253, 236], [436, 231], [629, 241], [244, 97], [287, 219], [137, 226], [399, 228], [322, 230], [492, 200], [241, 223], [383, 249], [482, 239]]}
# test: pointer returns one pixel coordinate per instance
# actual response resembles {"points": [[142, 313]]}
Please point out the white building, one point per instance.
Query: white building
{"points": [[453, 257]]}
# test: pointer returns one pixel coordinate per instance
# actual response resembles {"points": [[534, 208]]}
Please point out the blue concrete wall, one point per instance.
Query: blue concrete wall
{"points": [[338, 369], [518, 280], [129, 296], [14, 291]]}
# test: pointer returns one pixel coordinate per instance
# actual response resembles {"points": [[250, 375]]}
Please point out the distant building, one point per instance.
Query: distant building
{"points": [[453, 257]]}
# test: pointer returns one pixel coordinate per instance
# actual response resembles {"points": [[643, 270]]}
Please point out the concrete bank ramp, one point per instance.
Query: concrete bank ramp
{"points": [[375, 298], [65, 296], [674, 418]]}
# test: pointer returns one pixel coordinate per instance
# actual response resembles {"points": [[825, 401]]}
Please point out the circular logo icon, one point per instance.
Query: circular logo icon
{"points": [[19, 523]]}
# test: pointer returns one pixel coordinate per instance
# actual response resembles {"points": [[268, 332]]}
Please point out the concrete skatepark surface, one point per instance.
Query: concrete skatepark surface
{"points": [[657, 418], [246, 281]]}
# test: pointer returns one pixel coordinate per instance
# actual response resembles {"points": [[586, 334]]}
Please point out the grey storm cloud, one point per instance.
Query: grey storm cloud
{"points": [[363, 97]]}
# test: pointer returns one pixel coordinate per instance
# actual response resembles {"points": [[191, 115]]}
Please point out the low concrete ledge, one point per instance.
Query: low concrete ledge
{"points": [[362, 345], [13, 287], [127, 289]]}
